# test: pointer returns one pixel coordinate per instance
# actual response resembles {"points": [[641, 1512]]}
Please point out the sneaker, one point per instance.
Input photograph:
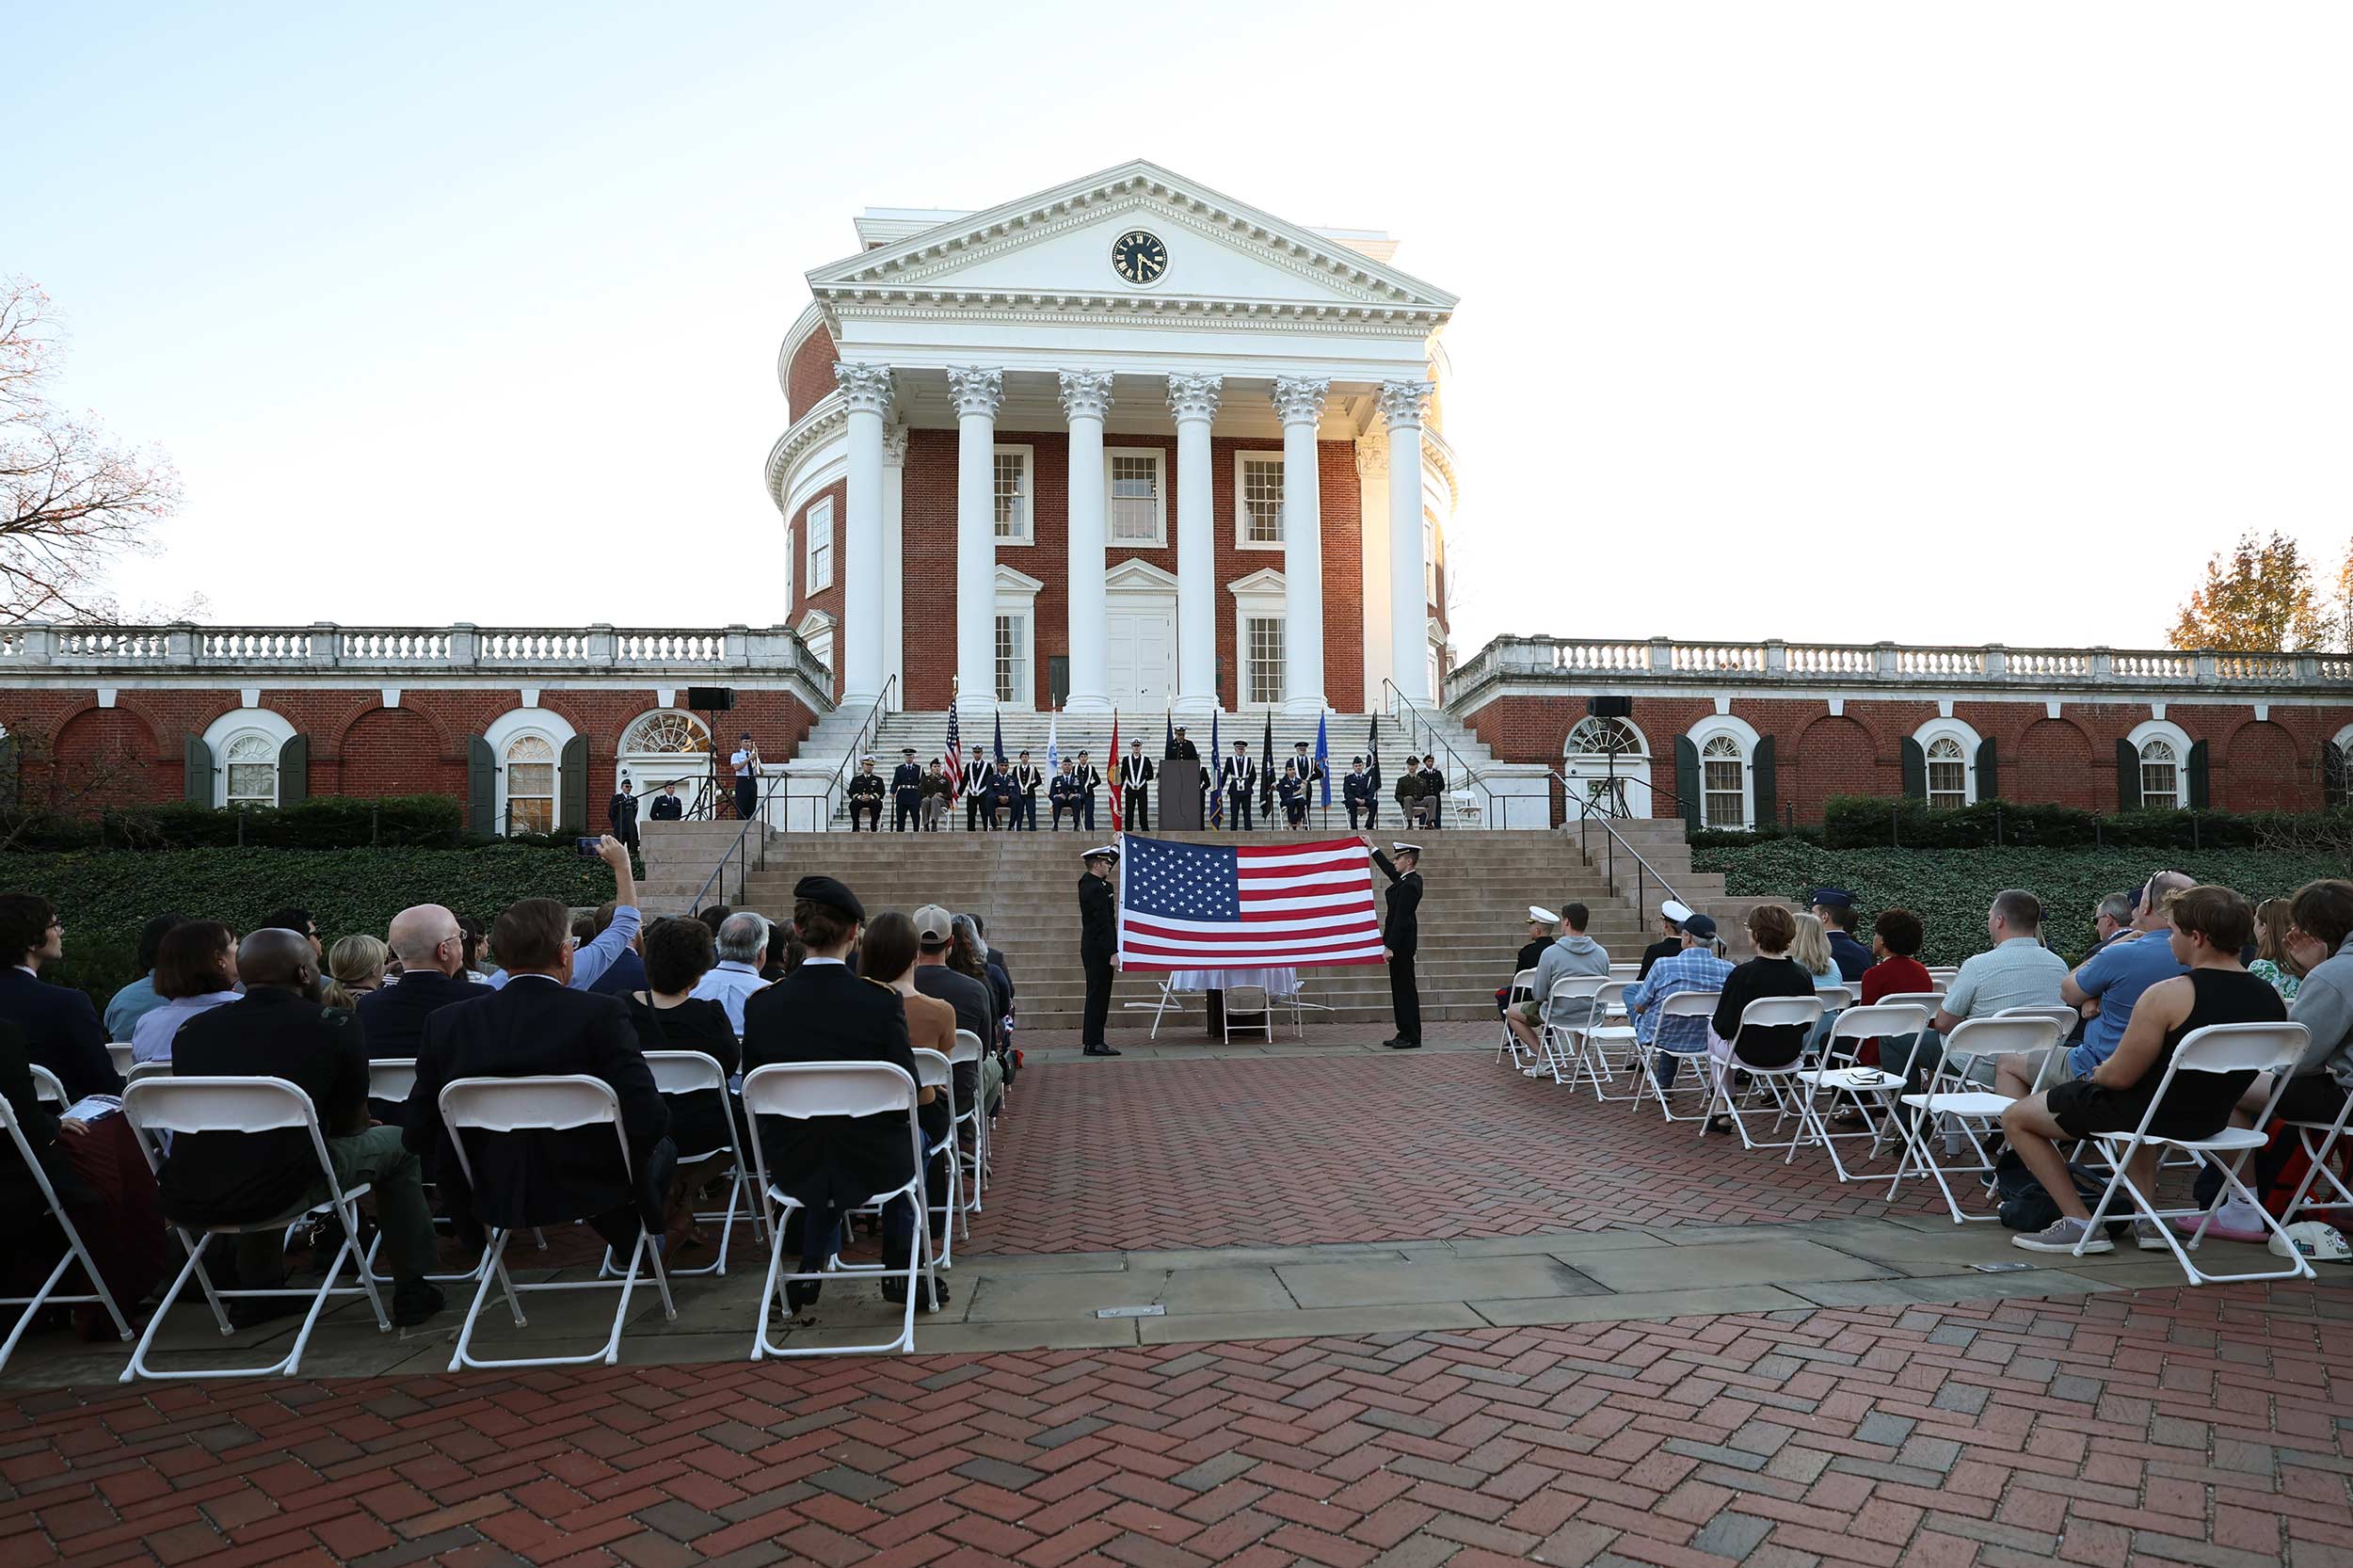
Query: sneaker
{"points": [[2149, 1236], [2062, 1236], [2236, 1221]]}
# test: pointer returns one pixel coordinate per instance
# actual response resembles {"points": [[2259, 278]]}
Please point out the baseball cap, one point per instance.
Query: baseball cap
{"points": [[933, 926], [1699, 926]]}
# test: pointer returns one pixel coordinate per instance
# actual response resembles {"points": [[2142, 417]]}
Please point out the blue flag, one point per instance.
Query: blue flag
{"points": [[1000, 739], [1217, 796], [1168, 730], [1324, 758]]}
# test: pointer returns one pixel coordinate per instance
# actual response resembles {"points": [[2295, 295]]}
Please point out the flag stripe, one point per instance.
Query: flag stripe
{"points": [[1211, 907], [1258, 928]]}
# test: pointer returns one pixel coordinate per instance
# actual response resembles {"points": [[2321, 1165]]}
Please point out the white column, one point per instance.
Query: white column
{"points": [[977, 395], [867, 390], [1298, 402], [1194, 400], [1373, 523], [1409, 596], [894, 476], [1086, 399]]}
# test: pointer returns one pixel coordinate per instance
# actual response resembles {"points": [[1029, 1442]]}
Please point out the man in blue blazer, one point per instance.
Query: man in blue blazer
{"points": [[59, 1024]]}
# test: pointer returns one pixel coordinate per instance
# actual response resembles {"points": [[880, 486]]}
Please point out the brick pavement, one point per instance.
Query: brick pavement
{"points": [[1289, 1151], [2172, 1427]]}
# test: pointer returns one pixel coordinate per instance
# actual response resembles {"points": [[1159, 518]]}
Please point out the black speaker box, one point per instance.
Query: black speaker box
{"points": [[1609, 707], [711, 699]]}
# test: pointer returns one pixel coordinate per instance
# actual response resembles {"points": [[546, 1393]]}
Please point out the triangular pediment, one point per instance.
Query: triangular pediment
{"points": [[1055, 248], [1140, 575]]}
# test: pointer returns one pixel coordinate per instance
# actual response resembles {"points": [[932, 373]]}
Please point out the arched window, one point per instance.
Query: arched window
{"points": [[2160, 775], [1609, 760], [250, 763], [1723, 783], [529, 764], [1949, 773]]}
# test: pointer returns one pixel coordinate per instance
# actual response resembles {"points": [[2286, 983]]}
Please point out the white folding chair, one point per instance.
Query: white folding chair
{"points": [[689, 1072], [934, 1071], [1169, 997], [1943, 975], [1522, 989], [1836, 999], [244, 1106], [1569, 1005], [391, 1079], [1678, 1004], [967, 1049], [1249, 1000], [2316, 1165], [2059, 1014], [118, 1052], [497, 1107], [1296, 1001], [2274, 1049], [1625, 972], [1840, 1074], [1767, 1013], [1969, 1111], [799, 1090], [1929, 1003], [1608, 1031], [47, 1088]]}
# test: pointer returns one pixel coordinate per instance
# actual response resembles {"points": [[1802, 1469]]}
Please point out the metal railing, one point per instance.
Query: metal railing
{"points": [[742, 851], [837, 787], [1611, 844], [1457, 767]]}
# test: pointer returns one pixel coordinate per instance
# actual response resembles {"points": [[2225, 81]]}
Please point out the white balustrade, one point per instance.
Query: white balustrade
{"points": [[393, 647]]}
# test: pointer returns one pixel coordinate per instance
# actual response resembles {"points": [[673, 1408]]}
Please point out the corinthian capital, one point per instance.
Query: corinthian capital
{"points": [[1194, 396], [1372, 459], [1086, 393], [1300, 401], [894, 444], [865, 388], [975, 391], [1402, 400]]}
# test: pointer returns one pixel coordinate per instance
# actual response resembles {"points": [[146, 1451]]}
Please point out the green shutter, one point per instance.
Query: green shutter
{"points": [[9, 793], [1761, 779], [482, 787], [2198, 776], [196, 772], [293, 770], [2127, 776], [1915, 769], [573, 766], [1687, 781], [2332, 776], [1989, 771]]}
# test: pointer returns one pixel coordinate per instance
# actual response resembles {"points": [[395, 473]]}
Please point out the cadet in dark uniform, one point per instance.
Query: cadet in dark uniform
{"points": [[1027, 777], [1239, 778], [1180, 748], [1135, 772], [1062, 794], [821, 1012], [866, 792], [668, 807], [1400, 934], [1834, 908], [1357, 793], [906, 792], [1099, 943], [1090, 780]]}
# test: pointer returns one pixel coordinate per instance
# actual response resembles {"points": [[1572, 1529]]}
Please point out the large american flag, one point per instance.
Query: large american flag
{"points": [[1248, 906]]}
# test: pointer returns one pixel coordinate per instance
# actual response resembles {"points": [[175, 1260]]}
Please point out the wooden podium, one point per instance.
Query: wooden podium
{"points": [[1180, 796]]}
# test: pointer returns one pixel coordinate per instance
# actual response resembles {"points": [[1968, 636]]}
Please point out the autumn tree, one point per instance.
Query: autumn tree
{"points": [[2258, 596], [70, 497]]}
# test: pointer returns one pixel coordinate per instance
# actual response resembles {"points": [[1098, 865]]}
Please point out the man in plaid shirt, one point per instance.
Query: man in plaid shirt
{"points": [[1695, 968]]}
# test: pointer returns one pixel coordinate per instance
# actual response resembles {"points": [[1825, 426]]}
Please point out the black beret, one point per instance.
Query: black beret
{"points": [[832, 894]]}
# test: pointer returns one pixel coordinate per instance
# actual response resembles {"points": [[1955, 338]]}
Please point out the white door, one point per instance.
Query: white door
{"points": [[1139, 655]]}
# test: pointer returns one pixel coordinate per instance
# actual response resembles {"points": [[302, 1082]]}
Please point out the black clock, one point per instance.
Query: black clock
{"points": [[1138, 256]]}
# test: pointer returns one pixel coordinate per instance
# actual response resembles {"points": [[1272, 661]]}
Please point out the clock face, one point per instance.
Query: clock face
{"points": [[1138, 256]]}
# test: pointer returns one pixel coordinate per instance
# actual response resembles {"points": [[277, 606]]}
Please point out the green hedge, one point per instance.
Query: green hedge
{"points": [[326, 822], [1866, 821], [106, 895], [1949, 890]]}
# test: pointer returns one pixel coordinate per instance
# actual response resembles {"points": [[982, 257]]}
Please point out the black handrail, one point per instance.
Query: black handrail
{"points": [[1610, 848], [1469, 774], [872, 722], [738, 849]]}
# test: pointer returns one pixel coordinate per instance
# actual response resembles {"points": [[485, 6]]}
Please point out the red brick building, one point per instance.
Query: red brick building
{"points": [[1729, 734]]}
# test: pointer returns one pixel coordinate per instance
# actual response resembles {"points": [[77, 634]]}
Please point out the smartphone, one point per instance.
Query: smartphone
{"points": [[587, 847]]}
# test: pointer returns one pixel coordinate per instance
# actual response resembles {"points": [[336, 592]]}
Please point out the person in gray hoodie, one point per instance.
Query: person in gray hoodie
{"points": [[2320, 937], [1572, 955]]}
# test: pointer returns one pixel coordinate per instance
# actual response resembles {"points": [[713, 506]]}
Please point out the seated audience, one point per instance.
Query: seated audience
{"points": [[2320, 939], [1571, 955], [937, 975], [1835, 908], [887, 954], [1293, 793], [832, 1164], [61, 1027], [1771, 974], [2276, 964], [2207, 927], [2108, 983], [297, 919], [742, 947], [1670, 917], [713, 916], [355, 967], [2112, 916], [590, 960], [100, 1177], [627, 971], [1692, 967], [669, 1016], [134, 999], [781, 959], [478, 938], [542, 1023], [430, 943], [196, 971], [1810, 949], [278, 1030], [969, 954], [2017, 971], [1895, 938], [1542, 926]]}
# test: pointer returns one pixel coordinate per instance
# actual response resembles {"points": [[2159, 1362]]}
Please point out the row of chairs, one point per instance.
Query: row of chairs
{"points": [[1255, 1004], [1593, 1045], [161, 1106]]}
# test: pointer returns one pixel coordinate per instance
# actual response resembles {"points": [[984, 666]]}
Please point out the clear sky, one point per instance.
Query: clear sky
{"points": [[1949, 323]]}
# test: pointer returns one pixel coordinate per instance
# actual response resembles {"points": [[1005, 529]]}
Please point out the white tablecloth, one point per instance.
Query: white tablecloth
{"points": [[1278, 983]]}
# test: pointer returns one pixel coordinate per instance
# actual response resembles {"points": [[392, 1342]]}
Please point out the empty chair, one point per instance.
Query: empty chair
{"points": [[1249, 1001], [1967, 1110], [805, 1091], [967, 1050], [680, 1073], [244, 1107], [1840, 1075], [491, 1108], [1169, 996], [944, 1197]]}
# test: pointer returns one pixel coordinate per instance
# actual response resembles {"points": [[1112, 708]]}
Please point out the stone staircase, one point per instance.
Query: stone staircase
{"points": [[1024, 887]]}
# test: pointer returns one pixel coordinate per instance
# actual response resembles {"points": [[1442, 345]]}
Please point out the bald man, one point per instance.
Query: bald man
{"points": [[278, 1030], [432, 952]]}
